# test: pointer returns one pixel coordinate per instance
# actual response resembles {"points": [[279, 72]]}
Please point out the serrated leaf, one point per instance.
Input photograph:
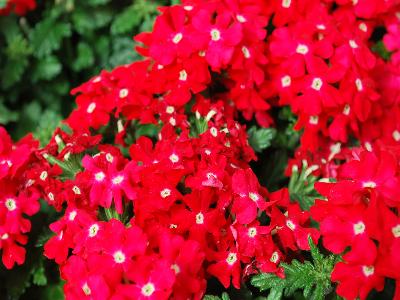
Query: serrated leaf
{"points": [[225, 296], [47, 124], [275, 294], [260, 138], [122, 51], [48, 35], [126, 21], [85, 57], [47, 68], [85, 20], [13, 71], [39, 276]]}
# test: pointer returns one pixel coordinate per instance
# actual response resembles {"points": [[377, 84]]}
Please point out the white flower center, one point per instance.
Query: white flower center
{"points": [[316, 84], [241, 19], [119, 257], [93, 230], [43, 175], [353, 44], [177, 38], [148, 289], [246, 52], [170, 109], [165, 193], [183, 75], [176, 268], [118, 179], [109, 157], [313, 120], [11, 204], [76, 190], [363, 27], [346, 110], [51, 196], [99, 176], [5, 236], [214, 131], [359, 84], [359, 228], [174, 158], [215, 35], [286, 81], [290, 225], [231, 259], [396, 231], [199, 218], [72, 215], [91, 108], [369, 184], [368, 270], [123, 93], [396, 135], [286, 3], [274, 257], [302, 49], [86, 289], [253, 196], [172, 121], [252, 232]]}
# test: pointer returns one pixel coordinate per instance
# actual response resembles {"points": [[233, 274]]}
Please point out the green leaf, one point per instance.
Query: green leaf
{"points": [[149, 130], [122, 51], [17, 52], [211, 297], [13, 71], [85, 57], [47, 68], [381, 50], [53, 292], [85, 20], [260, 138], [301, 186], [39, 276], [225, 296], [313, 278], [47, 36], [48, 122], [97, 2], [7, 115], [127, 20]]}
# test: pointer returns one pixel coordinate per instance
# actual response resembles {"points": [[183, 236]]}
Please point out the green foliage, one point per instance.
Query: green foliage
{"points": [[59, 46], [224, 296], [381, 50], [312, 278], [301, 186], [261, 138]]}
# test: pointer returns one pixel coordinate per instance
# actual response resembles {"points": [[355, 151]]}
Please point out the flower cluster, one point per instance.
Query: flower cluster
{"points": [[19, 7], [195, 205], [18, 196], [154, 179], [361, 216]]}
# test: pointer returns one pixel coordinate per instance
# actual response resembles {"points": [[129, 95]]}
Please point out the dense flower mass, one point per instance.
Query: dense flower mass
{"points": [[154, 181]]}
